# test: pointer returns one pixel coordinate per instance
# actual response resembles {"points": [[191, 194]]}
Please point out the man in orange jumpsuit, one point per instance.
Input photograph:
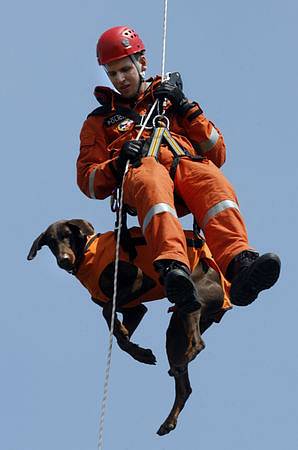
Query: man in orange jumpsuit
{"points": [[156, 179]]}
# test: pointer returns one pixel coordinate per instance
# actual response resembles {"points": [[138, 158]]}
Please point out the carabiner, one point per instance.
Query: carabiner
{"points": [[163, 121], [115, 200]]}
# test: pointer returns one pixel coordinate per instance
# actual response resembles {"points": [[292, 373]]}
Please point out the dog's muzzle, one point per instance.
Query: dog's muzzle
{"points": [[66, 262]]}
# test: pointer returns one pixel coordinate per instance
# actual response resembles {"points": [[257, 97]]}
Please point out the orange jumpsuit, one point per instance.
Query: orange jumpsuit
{"points": [[96, 268], [150, 189]]}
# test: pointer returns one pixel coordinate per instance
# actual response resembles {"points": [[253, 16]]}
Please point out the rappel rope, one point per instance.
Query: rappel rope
{"points": [[110, 346], [164, 40]]}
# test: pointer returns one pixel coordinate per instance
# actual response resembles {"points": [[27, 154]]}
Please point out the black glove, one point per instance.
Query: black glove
{"points": [[132, 151], [170, 91], [173, 93]]}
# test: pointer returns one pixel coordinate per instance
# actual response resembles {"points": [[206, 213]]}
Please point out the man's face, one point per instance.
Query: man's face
{"points": [[124, 75]]}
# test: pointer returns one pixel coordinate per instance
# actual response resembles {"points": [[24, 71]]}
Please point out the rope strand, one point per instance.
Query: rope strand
{"points": [[110, 346], [109, 357], [163, 63]]}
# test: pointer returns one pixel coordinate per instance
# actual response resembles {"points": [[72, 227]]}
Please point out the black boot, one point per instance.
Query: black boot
{"points": [[179, 287], [250, 274]]}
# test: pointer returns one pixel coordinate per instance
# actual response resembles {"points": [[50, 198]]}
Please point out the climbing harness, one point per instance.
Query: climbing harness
{"points": [[120, 205], [160, 127], [159, 134]]}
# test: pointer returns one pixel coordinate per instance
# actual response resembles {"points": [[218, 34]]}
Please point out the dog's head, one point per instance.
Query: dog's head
{"points": [[66, 239]]}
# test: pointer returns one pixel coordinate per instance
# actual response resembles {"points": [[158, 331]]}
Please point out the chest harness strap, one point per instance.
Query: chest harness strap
{"points": [[162, 133], [159, 134]]}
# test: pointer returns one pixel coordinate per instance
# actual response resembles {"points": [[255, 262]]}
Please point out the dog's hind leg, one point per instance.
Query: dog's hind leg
{"points": [[182, 330], [182, 392], [177, 346], [194, 342]]}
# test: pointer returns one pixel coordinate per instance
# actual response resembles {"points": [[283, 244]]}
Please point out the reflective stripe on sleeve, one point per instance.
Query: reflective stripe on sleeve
{"points": [[157, 209], [91, 183], [209, 143], [218, 208]]}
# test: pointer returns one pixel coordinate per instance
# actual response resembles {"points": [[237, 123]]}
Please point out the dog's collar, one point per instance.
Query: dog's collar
{"points": [[91, 240], [87, 245]]}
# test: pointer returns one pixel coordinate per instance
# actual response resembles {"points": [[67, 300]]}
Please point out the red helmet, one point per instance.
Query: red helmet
{"points": [[116, 43]]}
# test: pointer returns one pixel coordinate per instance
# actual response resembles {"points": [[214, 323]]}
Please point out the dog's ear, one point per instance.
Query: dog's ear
{"points": [[37, 244], [85, 228]]}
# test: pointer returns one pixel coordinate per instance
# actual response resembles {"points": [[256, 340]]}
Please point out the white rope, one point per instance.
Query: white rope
{"points": [[163, 63], [109, 357], [110, 346]]}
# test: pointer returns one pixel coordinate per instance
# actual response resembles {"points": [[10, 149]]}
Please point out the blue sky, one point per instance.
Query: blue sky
{"points": [[239, 61]]}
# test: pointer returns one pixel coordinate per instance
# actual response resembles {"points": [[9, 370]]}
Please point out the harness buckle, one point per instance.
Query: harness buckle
{"points": [[115, 200]]}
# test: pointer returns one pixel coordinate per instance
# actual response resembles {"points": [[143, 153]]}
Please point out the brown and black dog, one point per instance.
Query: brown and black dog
{"points": [[76, 247]]}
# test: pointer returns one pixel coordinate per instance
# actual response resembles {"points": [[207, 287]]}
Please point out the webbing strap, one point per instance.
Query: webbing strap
{"points": [[174, 145], [158, 135], [156, 141], [91, 240], [195, 242]]}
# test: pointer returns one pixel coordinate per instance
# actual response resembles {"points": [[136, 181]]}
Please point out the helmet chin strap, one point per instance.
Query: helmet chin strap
{"points": [[138, 65], [141, 73]]}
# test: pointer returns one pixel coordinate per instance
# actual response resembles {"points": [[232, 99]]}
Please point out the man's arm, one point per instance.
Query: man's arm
{"points": [[204, 135], [97, 173], [206, 138]]}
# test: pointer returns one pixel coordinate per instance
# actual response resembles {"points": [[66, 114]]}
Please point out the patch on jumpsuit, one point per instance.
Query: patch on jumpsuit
{"points": [[125, 125]]}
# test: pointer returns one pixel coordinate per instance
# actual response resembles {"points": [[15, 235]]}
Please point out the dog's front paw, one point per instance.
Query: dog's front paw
{"points": [[143, 355]]}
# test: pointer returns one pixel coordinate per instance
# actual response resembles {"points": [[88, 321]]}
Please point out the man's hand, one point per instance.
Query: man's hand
{"points": [[132, 151], [174, 93], [171, 92]]}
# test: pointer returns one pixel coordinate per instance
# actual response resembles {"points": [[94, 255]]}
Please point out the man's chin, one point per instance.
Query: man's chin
{"points": [[128, 95]]}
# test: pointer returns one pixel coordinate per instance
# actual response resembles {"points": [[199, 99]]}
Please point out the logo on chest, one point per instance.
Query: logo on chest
{"points": [[120, 122], [125, 125]]}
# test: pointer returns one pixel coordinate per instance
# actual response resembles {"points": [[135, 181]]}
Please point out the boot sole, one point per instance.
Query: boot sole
{"points": [[262, 275], [181, 291]]}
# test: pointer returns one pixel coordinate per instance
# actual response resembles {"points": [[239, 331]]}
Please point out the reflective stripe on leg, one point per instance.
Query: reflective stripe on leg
{"points": [[219, 207], [157, 209]]}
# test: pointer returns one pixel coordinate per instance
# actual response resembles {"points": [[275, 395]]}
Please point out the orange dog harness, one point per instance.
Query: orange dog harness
{"points": [[138, 280]]}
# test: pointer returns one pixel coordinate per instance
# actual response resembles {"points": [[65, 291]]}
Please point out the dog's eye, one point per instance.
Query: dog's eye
{"points": [[66, 236]]}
